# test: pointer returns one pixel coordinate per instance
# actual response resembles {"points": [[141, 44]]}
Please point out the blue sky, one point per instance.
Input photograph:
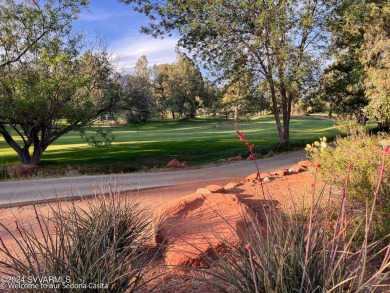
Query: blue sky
{"points": [[118, 25]]}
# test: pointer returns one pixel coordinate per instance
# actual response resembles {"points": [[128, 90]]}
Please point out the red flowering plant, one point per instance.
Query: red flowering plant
{"points": [[250, 148]]}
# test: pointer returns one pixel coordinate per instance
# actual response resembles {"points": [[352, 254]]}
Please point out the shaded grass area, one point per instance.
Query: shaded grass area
{"points": [[151, 145]]}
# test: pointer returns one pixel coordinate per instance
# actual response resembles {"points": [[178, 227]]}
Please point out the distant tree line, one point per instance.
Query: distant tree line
{"points": [[178, 90]]}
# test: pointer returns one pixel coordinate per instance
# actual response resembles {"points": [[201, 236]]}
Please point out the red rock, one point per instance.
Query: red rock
{"points": [[232, 185], [184, 164], [254, 176], [174, 164], [23, 170], [215, 188], [236, 158], [251, 177], [203, 191], [282, 172], [297, 169], [192, 227], [263, 175], [305, 163]]}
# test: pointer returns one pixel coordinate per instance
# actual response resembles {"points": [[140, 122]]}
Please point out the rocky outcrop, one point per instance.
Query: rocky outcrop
{"points": [[297, 169], [192, 227], [211, 189], [177, 164], [282, 172], [255, 176]]}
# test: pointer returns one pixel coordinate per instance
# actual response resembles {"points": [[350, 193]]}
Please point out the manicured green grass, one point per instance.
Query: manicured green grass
{"points": [[151, 145]]}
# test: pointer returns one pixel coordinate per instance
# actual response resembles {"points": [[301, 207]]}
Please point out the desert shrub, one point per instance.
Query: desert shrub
{"points": [[102, 242], [365, 154], [305, 251]]}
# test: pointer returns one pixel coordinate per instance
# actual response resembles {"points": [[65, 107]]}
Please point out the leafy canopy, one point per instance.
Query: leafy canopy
{"points": [[48, 87], [279, 41]]}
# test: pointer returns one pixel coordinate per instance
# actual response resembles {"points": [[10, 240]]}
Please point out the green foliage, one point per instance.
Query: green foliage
{"points": [[342, 87], [136, 93], [178, 87], [239, 95], [317, 146], [379, 108], [25, 24], [96, 137], [53, 85], [364, 152], [361, 42], [102, 242], [376, 59]]}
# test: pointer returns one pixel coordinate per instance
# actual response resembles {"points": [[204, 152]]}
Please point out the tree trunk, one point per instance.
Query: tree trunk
{"points": [[330, 112], [23, 152], [384, 126], [24, 156], [37, 154], [275, 110], [287, 116]]}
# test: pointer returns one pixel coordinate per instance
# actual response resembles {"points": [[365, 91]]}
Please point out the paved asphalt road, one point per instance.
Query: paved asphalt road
{"points": [[13, 193]]}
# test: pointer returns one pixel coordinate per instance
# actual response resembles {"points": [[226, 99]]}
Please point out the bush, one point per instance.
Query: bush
{"points": [[102, 243], [364, 152]]}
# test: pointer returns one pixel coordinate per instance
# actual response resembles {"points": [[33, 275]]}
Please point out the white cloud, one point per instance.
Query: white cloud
{"points": [[158, 51], [98, 14]]}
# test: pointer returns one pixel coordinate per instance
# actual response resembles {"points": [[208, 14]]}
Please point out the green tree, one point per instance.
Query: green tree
{"points": [[211, 100], [178, 87], [24, 24], [361, 32], [239, 93], [342, 87], [280, 41], [375, 57], [186, 84], [137, 95], [160, 88], [51, 88]]}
